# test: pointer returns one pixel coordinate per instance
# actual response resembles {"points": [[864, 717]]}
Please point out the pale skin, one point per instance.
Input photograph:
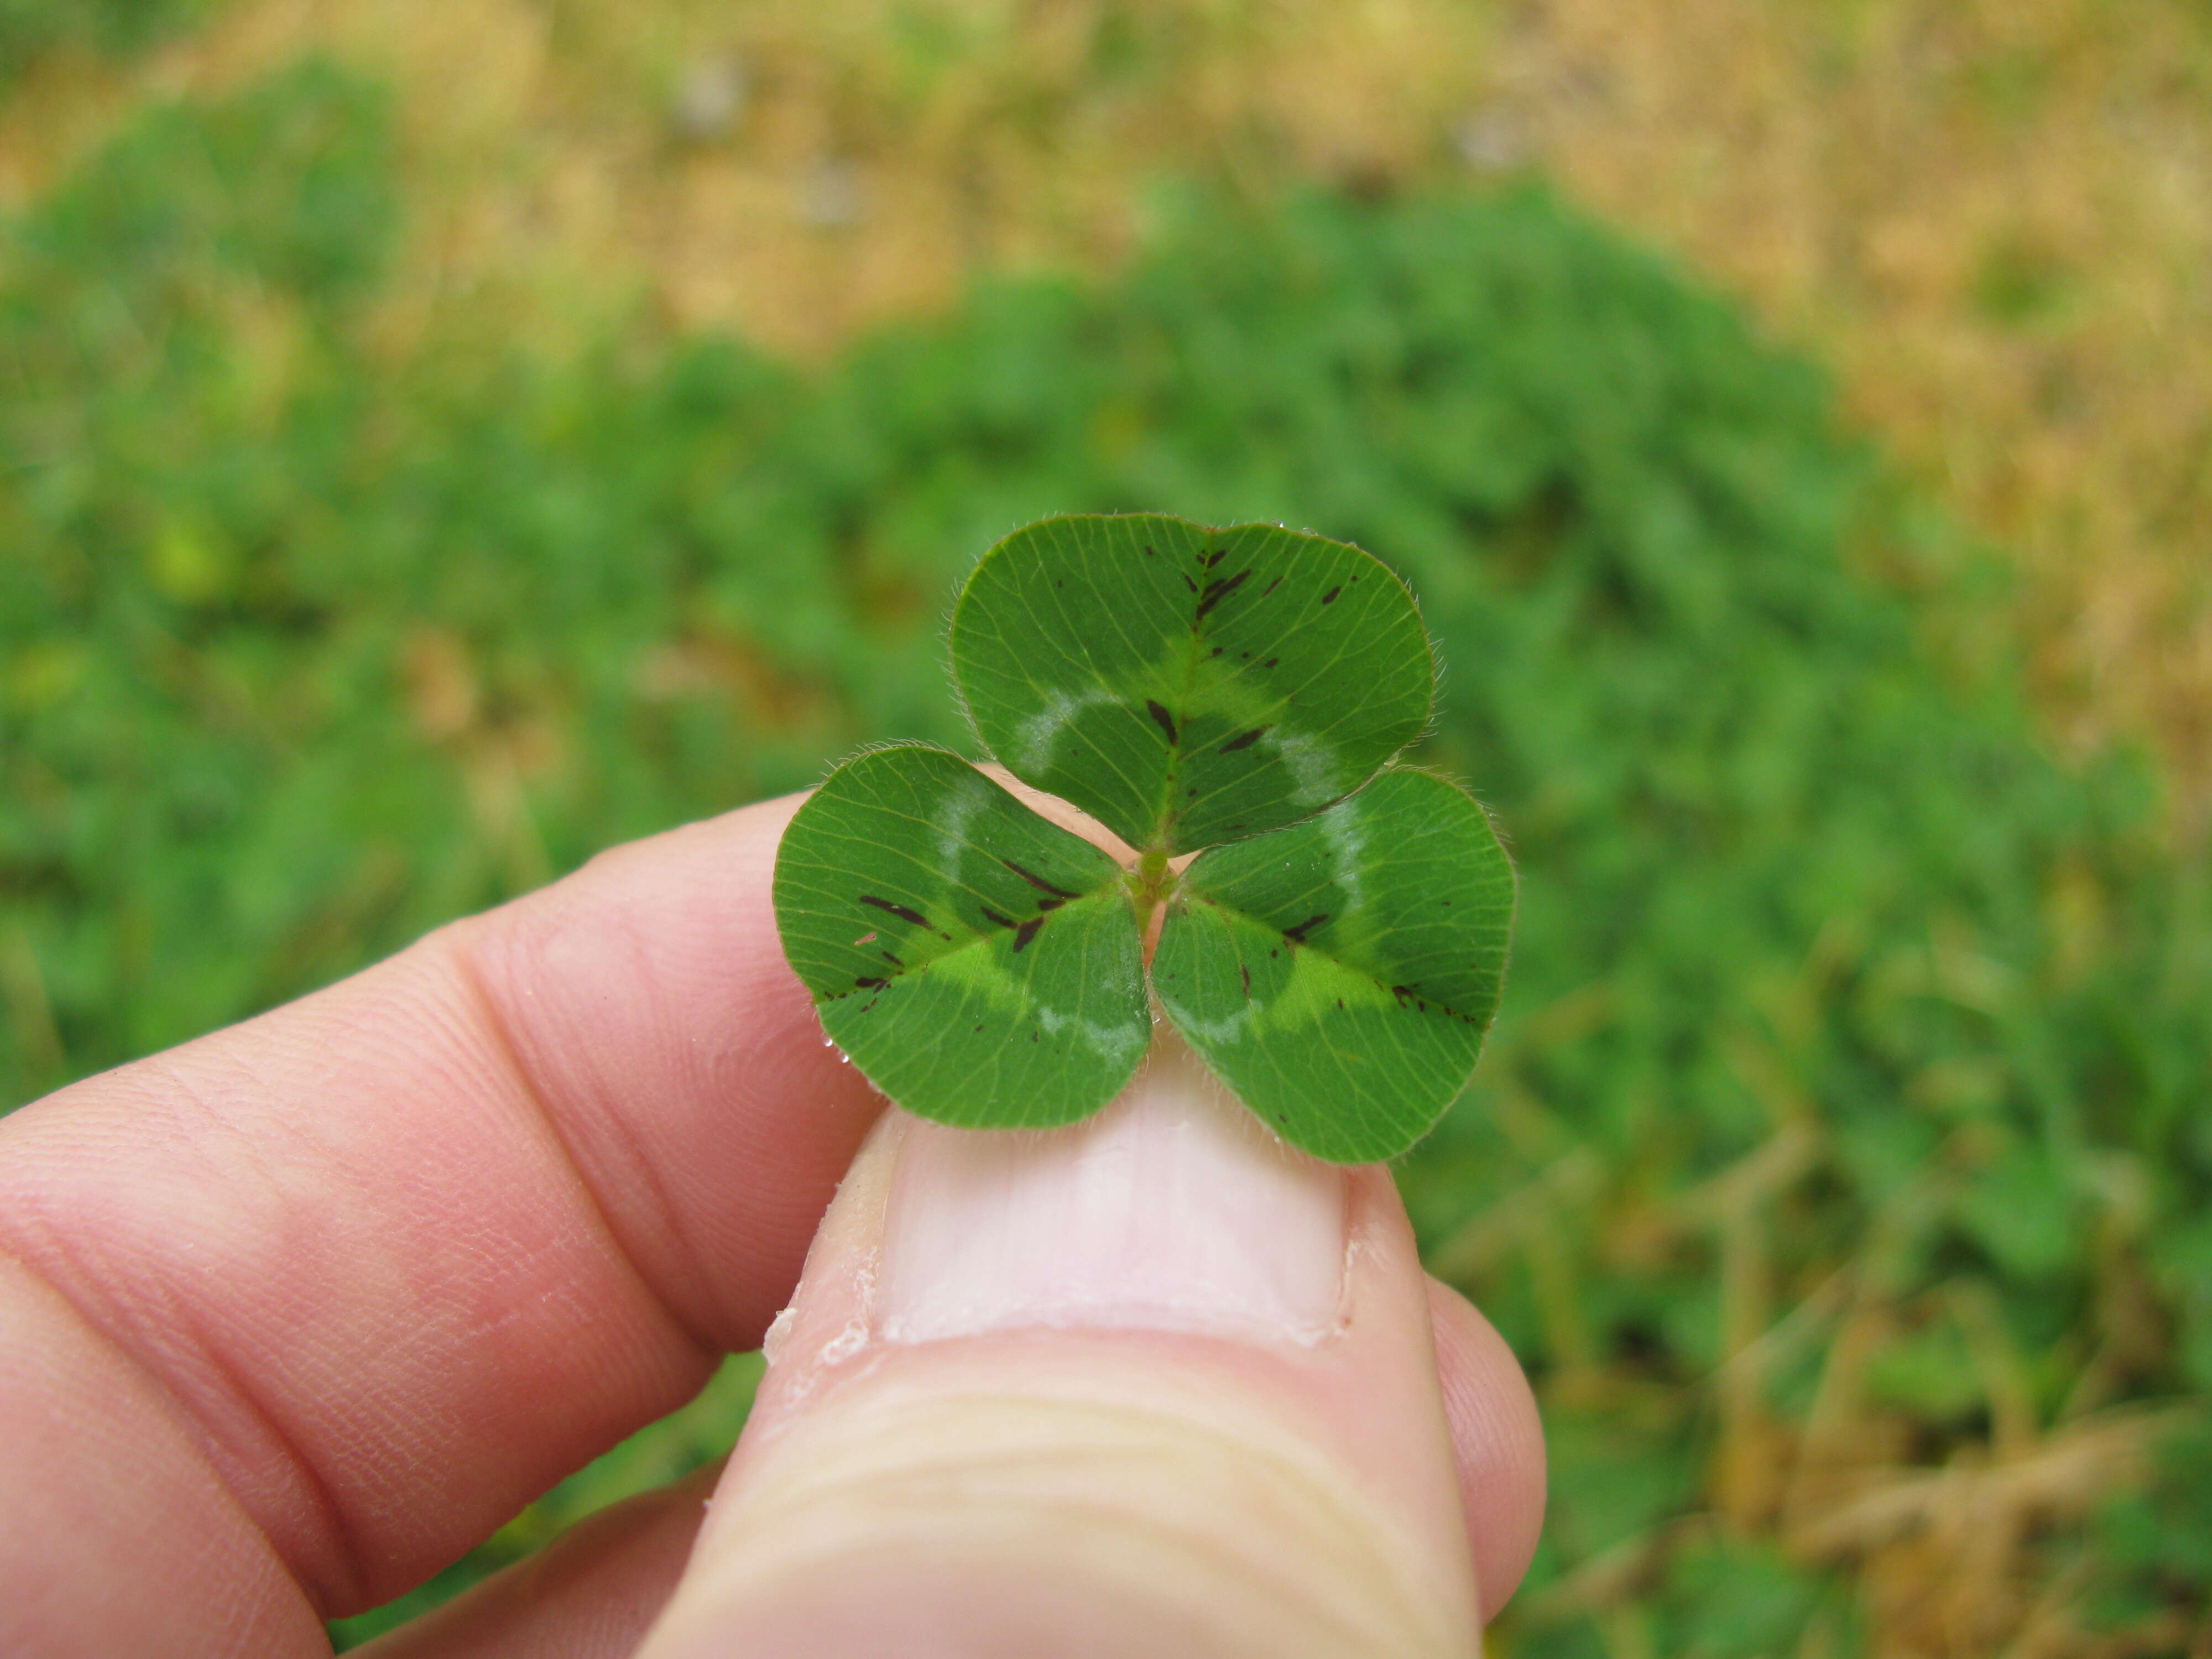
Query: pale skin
{"points": [[293, 1315]]}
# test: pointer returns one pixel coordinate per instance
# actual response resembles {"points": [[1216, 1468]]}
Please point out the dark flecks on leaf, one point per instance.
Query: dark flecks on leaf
{"points": [[996, 919], [1271, 662], [1216, 557], [894, 961], [1270, 587], [1408, 997], [1026, 931], [1166, 720], [1329, 598], [1037, 880], [1187, 581], [912, 918], [1242, 740], [1298, 935], [1218, 590], [1246, 974], [868, 983]]}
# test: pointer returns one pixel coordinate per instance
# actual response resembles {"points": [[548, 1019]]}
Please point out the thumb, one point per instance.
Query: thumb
{"points": [[1153, 1384]]}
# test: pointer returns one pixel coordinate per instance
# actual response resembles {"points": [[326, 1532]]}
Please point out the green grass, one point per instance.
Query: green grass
{"points": [[1846, 1120]]}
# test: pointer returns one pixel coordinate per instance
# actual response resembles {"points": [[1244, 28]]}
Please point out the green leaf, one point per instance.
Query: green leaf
{"points": [[981, 966], [1184, 686], [1340, 975]]}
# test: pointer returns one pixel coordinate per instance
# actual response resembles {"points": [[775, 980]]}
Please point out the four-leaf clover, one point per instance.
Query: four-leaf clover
{"points": [[1334, 950]]}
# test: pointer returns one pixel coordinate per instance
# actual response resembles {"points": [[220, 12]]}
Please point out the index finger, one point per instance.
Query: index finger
{"points": [[381, 1265]]}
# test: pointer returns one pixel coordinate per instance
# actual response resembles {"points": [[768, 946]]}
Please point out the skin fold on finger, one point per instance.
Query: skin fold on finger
{"points": [[589, 1595], [93, 1450], [378, 1267], [968, 1445]]}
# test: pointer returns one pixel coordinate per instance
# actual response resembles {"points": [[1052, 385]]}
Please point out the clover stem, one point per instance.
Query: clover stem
{"points": [[1149, 884], [1153, 871]]}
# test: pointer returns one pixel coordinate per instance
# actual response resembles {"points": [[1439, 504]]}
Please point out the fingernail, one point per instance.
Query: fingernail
{"points": [[1172, 1209]]}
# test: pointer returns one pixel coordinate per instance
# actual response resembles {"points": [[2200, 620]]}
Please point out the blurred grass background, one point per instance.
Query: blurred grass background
{"points": [[440, 438]]}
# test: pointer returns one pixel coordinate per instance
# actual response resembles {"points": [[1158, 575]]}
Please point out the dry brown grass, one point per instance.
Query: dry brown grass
{"points": [[879, 154], [1995, 218], [1976, 1555]]}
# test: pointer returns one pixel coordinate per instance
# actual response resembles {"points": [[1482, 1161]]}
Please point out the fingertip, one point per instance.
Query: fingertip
{"points": [[1498, 1439]]}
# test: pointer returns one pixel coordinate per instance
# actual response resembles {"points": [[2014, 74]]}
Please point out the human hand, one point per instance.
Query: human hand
{"points": [[293, 1315]]}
